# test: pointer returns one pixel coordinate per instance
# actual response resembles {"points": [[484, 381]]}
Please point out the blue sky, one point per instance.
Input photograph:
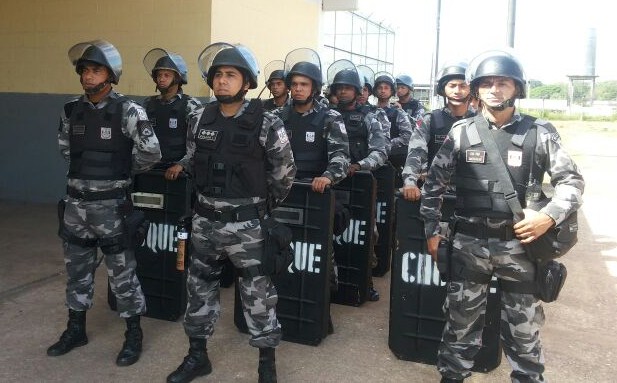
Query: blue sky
{"points": [[550, 35]]}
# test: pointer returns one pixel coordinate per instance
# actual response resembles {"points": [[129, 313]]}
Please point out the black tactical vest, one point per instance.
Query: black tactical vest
{"points": [[169, 123], [229, 161], [357, 133], [411, 107], [99, 150], [392, 114], [478, 193], [308, 139], [441, 123]]}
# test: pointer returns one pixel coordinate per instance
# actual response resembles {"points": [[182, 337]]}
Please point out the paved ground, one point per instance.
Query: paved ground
{"points": [[579, 337]]}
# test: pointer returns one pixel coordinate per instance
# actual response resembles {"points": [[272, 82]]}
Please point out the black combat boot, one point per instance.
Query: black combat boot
{"points": [[267, 365], [73, 336], [131, 349], [195, 364]]}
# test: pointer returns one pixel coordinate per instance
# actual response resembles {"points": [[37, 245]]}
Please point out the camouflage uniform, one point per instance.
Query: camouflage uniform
{"points": [[242, 242], [522, 314], [377, 144], [103, 219], [417, 157], [382, 117]]}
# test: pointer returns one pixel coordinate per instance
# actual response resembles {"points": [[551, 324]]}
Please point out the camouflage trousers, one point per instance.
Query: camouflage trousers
{"points": [[99, 220], [242, 242], [465, 307]]}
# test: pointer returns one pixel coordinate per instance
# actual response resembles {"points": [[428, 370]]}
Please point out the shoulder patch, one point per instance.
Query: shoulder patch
{"points": [[145, 129], [282, 136]]}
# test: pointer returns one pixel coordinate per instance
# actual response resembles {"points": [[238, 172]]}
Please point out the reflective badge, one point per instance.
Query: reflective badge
{"points": [[475, 156], [310, 136], [343, 129], [282, 136], [515, 158], [105, 133], [173, 123], [207, 135]]}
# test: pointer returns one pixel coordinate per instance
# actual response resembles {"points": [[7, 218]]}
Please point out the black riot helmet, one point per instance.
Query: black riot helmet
{"points": [[224, 54], [99, 52], [344, 72], [304, 62], [449, 72], [496, 63], [159, 58], [404, 79], [274, 70], [386, 78], [368, 76]]}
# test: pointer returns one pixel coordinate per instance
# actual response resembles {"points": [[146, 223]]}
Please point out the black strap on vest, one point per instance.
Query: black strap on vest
{"points": [[499, 167]]}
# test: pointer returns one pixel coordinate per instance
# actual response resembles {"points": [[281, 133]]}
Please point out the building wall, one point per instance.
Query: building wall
{"points": [[35, 36]]}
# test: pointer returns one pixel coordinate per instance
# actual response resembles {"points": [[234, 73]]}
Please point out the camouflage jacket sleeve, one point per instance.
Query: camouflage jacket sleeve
{"points": [[405, 129], [135, 124], [438, 179], [382, 117], [281, 168], [338, 147], [565, 176], [420, 112], [193, 106], [377, 155], [191, 131], [63, 133], [417, 153]]}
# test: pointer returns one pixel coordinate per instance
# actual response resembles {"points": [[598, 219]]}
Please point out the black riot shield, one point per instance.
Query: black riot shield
{"points": [[164, 203], [417, 295], [384, 218], [352, 248], [303, 306]]}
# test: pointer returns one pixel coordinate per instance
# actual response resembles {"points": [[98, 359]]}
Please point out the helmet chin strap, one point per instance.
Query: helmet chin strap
{"points": [[96, 89], [302, 102], [506, 104], [231, 99]]}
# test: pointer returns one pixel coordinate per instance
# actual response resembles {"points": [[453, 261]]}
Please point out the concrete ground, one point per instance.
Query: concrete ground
{"points": [[579, 336]]}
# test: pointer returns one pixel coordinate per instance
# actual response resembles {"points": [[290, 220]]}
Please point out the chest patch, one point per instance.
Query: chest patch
{"points": [[473, 156], [440, 138], [515, 158], [207, 135], [310, 136], [173, 123], [105, 133]]}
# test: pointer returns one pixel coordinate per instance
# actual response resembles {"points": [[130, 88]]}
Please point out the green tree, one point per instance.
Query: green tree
{"points": [[551, 91], [606, 91]]}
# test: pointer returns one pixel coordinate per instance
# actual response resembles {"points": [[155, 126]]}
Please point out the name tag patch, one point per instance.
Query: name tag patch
{"points": [[440, 138], [475, 156], [515, 158], [207, 135], [79, 129]]}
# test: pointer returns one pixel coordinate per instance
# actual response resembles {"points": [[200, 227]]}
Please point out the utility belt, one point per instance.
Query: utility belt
{"points": [[237, 214], [482, 231], [86, 195]]}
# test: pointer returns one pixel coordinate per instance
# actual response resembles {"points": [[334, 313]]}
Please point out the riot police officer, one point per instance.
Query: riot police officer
{"points": [[404, 92], [368, 76], [487, 241], [243, 167], [428, 137], [169, 112], [367, 141], [106, 138], [277, 85], [400, 126]]}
